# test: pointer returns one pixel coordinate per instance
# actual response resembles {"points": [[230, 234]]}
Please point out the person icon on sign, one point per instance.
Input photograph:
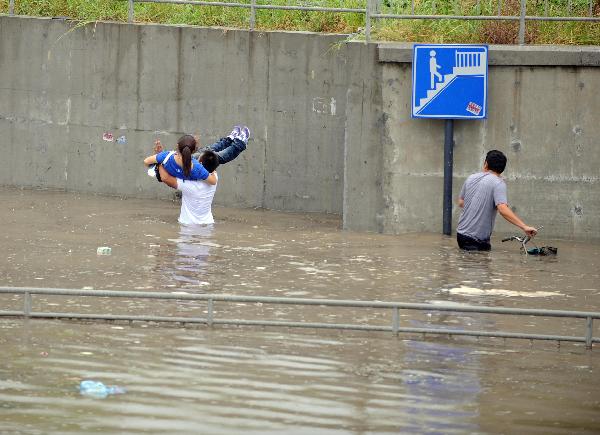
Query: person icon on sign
{"points": [[433, 67]]}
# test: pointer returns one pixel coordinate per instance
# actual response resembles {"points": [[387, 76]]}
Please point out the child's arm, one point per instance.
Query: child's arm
{"points": [[150, 160]]}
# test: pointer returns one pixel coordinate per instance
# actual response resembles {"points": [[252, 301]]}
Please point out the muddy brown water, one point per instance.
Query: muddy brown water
{"points": [[279, 380]]}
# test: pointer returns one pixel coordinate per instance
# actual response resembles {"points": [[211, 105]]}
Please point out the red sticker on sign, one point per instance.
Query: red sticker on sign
{"points": [[473, 108]]}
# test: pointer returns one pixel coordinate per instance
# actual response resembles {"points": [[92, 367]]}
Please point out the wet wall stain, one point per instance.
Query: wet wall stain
{"points": [[515, 125]]}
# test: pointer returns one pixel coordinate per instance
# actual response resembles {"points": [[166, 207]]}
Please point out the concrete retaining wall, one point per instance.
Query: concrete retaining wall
{"points": [[331, 121], [61, 90], [543, 114]]}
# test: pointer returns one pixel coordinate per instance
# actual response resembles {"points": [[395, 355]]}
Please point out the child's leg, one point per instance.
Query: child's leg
{"points": [[219, 145], [226, 148]]}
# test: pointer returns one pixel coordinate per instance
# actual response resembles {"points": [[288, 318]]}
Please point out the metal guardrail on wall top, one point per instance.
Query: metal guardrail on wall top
{"points": [[372, 12], [395, 307]]}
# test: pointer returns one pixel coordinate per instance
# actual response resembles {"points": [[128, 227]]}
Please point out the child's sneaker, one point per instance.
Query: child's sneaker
{"points": [[235, 133], [244, 134]]}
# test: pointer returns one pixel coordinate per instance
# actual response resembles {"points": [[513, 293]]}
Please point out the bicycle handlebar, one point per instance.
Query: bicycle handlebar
{"points": [[523, 239]]}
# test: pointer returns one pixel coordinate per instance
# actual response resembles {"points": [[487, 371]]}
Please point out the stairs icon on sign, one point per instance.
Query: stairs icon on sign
{"points": [[467, 63]]}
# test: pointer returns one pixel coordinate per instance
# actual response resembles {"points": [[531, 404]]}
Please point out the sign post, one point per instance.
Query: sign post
{"points": [[449, 82], [448, 166]]}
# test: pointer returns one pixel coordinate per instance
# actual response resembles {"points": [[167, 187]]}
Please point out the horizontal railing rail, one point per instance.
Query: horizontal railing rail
{"points": [[395, 327], [372, 10]]}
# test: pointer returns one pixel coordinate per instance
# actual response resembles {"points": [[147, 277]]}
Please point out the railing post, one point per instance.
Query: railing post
{"points": [[377, 6], [588, 332], [26, 304], [395, 320], [11, 7], [522, 22], [130, 12], [252, 15], [368, 22], [209, 319]]}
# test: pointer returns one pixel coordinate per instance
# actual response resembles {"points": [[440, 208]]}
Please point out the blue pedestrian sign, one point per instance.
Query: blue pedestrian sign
{"points": [[449, 81]]}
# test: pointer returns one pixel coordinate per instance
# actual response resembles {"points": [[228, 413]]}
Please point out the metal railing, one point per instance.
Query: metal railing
{"points": [[372, 11], [210, 319]]}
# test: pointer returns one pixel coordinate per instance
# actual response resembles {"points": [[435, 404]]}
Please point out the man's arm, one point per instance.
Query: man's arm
{"points": [[511, 217], [212, 178], [461, 195], [171, 181], [167, 178]]}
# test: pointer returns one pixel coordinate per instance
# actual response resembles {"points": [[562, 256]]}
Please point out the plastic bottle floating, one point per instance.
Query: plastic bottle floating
{"points": [[98, 389]]}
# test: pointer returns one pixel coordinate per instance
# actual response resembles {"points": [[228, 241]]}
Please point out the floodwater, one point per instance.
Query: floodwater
{"points": [[261, 380]]}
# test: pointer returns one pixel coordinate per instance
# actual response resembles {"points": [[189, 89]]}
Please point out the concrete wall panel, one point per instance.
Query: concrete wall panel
{"points": [[331, 121], [544, 119]]}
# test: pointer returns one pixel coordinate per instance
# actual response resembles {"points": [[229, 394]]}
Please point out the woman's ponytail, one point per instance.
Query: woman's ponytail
{"points": [[186, 146], [186, 156]]}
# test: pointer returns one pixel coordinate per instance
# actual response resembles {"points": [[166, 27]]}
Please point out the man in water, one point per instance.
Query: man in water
{"points": [[197, 196], [481, 196]]}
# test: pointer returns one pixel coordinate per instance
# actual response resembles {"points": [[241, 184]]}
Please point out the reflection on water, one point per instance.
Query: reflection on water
{"points": [[455, 390], [228, 380], [191, 260]]}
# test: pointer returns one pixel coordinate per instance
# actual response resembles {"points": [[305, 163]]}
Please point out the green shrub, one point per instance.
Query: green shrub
{"points": [[440, 31]]}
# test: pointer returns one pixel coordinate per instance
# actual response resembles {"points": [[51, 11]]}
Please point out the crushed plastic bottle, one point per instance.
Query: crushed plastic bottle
{"points": [[103, 250], [98, 389]]}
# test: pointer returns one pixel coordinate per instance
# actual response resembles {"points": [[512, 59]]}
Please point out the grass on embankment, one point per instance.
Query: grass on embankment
{"points": [[438, 31]]}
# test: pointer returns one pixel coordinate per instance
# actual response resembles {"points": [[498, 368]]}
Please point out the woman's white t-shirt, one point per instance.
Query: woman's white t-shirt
{"points": [[196, 202]]}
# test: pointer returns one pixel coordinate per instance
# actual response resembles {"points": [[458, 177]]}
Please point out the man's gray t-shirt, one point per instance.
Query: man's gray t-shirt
{"points": [[482, 193]]}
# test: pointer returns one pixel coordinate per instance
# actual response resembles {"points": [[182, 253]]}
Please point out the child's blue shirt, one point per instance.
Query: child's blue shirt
{"points": [[198, 171]]}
